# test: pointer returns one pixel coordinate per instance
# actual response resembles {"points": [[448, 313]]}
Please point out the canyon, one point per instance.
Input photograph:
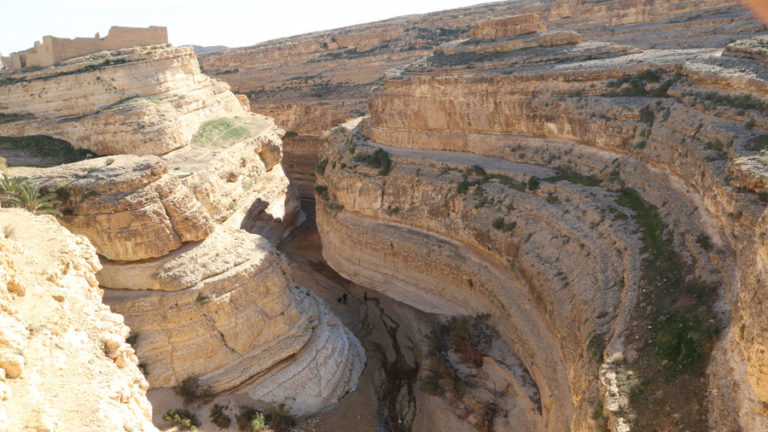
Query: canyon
{"points": [[545, 216]]}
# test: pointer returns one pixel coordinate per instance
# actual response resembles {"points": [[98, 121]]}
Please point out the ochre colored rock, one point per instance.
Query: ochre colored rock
{"points": [[558, 38], [143, 100], [64, 354], [508, 27], [130, 207]]}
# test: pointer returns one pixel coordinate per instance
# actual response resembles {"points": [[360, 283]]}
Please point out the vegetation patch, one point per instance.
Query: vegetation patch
{"points": [[17, 192], [182, 418], [675, 324], [573, 177], [322, 192], [193, 392], [220, 133], [320, 166], [638, 85], [219, 416], [501, 225], [378, 159], [757, 143], [743, 101], [469, 338]]}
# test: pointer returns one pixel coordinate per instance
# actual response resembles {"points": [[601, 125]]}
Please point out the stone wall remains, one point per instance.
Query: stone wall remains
{"points": [[54, 50]]}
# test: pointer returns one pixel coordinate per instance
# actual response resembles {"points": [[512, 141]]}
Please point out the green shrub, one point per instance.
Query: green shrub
{"points": [[575, 178], [533, 183], [250, 419], [749, 124], [743, 101], [647, 116], [219, 417], [715, 145], [280, 420], [500, 225], [320, 166], [183, 419], [596, 347], [322, 192], [463, 186], [378, 159], [757, 143], [192, 391]]}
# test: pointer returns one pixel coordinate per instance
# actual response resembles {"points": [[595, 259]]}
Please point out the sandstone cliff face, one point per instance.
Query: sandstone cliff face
{"points": [[313, 82], [183, 225], [205, 299], [144, 100], [599, 198], [64, 362]]}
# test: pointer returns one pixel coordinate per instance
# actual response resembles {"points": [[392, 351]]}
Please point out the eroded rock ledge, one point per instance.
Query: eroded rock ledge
{"points": [[203, 299], [143, 100]]}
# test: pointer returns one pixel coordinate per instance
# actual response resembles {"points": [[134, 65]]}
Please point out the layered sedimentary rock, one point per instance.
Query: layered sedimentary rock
{"points": [[143, 100], [204, 299], [64, 362], [600, 198], [310, 83], [183, 225], [130, 207]]}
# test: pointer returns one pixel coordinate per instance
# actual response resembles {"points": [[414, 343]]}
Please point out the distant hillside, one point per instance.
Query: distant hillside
{"points": [[206, 49]]}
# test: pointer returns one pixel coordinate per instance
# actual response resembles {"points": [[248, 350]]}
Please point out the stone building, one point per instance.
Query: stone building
{"points": [[54, 50]]}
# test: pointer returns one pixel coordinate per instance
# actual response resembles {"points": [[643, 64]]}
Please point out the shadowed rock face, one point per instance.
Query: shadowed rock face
{"points": [[599, 196]]}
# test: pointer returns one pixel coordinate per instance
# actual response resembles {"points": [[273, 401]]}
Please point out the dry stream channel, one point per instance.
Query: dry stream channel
{"points": [[386, 397]]}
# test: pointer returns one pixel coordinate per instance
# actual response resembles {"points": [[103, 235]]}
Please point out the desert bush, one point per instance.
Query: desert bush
{"points": [[250, 419], [378, 159], [182, 418], [322, 192], [219, 417], [192, 391], [501, 225], [280, 420], [320, 166], [757, 143]]}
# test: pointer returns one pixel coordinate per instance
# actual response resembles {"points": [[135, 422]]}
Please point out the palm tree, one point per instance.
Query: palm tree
{"points": [[9, 188], [28, 197]]}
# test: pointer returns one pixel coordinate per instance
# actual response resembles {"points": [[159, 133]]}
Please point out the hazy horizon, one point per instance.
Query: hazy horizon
{"points": [[233, 23]]}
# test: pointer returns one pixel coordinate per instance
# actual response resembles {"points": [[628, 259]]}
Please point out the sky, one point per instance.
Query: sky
{"points": [[201, 22]]}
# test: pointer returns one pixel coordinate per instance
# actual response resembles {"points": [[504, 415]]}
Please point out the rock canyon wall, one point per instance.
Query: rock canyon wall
{"points": [[181, 214], [594, 181]]}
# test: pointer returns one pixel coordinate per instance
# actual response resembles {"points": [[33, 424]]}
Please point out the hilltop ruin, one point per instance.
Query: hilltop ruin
{"points": [[54, 50]]}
